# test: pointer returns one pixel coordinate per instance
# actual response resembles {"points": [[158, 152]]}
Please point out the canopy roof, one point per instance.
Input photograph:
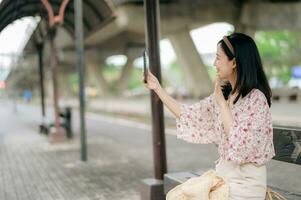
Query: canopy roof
{"points": [[95, 12]]}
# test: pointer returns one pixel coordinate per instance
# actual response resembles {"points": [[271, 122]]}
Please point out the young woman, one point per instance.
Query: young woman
{"points": [[236, 117]]}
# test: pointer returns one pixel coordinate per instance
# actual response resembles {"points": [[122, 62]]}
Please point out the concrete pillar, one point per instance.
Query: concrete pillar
{"points": [[246, 30], [48, 85], [65, 89], [125, 74], [96, 77], [193, 67]]}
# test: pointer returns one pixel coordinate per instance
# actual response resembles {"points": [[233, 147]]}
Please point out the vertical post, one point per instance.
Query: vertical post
{"points": [[78, 7], [58, 134], [151, 8], [53, 63], [40, 48]]}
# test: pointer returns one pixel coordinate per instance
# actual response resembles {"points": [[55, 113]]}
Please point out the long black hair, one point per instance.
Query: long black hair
{"points": [[249, 69]]}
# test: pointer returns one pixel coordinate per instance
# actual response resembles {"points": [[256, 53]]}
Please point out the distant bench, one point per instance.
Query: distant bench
{"points": [[293, 94], [287, 142]]}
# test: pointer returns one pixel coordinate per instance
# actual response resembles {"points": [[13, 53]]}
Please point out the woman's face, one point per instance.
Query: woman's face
{"points": [[225, 67]]}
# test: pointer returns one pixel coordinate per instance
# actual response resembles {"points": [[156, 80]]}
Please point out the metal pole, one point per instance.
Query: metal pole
{"points": [[40, 48], [53, 64], [151, 8], [81, 72]]}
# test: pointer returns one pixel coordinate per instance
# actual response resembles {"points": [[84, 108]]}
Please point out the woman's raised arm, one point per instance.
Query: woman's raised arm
{"points": [[171, 103]]}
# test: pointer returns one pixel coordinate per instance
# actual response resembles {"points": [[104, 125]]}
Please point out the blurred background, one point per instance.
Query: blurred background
{"points": [[118, 108]]}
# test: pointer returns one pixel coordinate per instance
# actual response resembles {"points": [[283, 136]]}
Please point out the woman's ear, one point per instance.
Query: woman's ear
{"points": [[233, 62]]}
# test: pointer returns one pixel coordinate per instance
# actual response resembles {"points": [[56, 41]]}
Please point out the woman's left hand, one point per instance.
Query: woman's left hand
{"points": [[218, 94]]}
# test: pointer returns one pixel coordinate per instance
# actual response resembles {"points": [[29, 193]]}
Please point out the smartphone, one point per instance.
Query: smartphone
{"points": [[145, 65]]}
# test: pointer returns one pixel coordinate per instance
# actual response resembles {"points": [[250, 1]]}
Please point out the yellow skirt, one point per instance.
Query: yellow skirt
{"points": [[246, 181]]}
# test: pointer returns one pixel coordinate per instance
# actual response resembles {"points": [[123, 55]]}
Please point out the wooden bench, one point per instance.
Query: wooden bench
{"points": [[287, 141]]}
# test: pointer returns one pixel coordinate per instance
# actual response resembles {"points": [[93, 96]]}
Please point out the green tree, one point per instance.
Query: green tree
{"points": [[279, 50]]}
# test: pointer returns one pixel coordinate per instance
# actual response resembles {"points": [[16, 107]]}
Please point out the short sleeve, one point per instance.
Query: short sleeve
{"points": [[251, 136], [197, 122]]}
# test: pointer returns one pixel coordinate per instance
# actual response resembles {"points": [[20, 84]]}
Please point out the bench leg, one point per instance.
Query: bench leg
{"points": [[152, 189]]}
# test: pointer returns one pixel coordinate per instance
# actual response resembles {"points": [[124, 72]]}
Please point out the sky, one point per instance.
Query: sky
{"points": [[15, 36], [13, 40]]}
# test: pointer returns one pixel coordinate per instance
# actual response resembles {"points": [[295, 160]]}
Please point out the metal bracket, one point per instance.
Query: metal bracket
{"points": [[55, 20]]}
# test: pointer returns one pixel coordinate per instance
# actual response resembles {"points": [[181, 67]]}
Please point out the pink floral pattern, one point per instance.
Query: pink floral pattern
{"points": [[250, 139]]}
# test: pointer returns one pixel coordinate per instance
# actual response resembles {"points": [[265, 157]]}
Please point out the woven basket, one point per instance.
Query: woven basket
{"points": [[272, 195]]}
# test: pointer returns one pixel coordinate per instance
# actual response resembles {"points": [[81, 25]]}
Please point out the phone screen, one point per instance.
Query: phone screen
{"points": [[145, 65]]}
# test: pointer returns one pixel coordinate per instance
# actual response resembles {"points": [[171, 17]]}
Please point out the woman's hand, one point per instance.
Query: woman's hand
{"points": [[153, 84], [218, 94], [152, 81], [225, 109]]}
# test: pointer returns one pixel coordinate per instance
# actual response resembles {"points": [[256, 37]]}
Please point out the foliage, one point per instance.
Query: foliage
{"points": [[279, 50]]}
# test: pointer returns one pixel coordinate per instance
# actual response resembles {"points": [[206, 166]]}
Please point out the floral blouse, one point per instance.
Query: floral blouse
{"points": [[250, 138]]}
